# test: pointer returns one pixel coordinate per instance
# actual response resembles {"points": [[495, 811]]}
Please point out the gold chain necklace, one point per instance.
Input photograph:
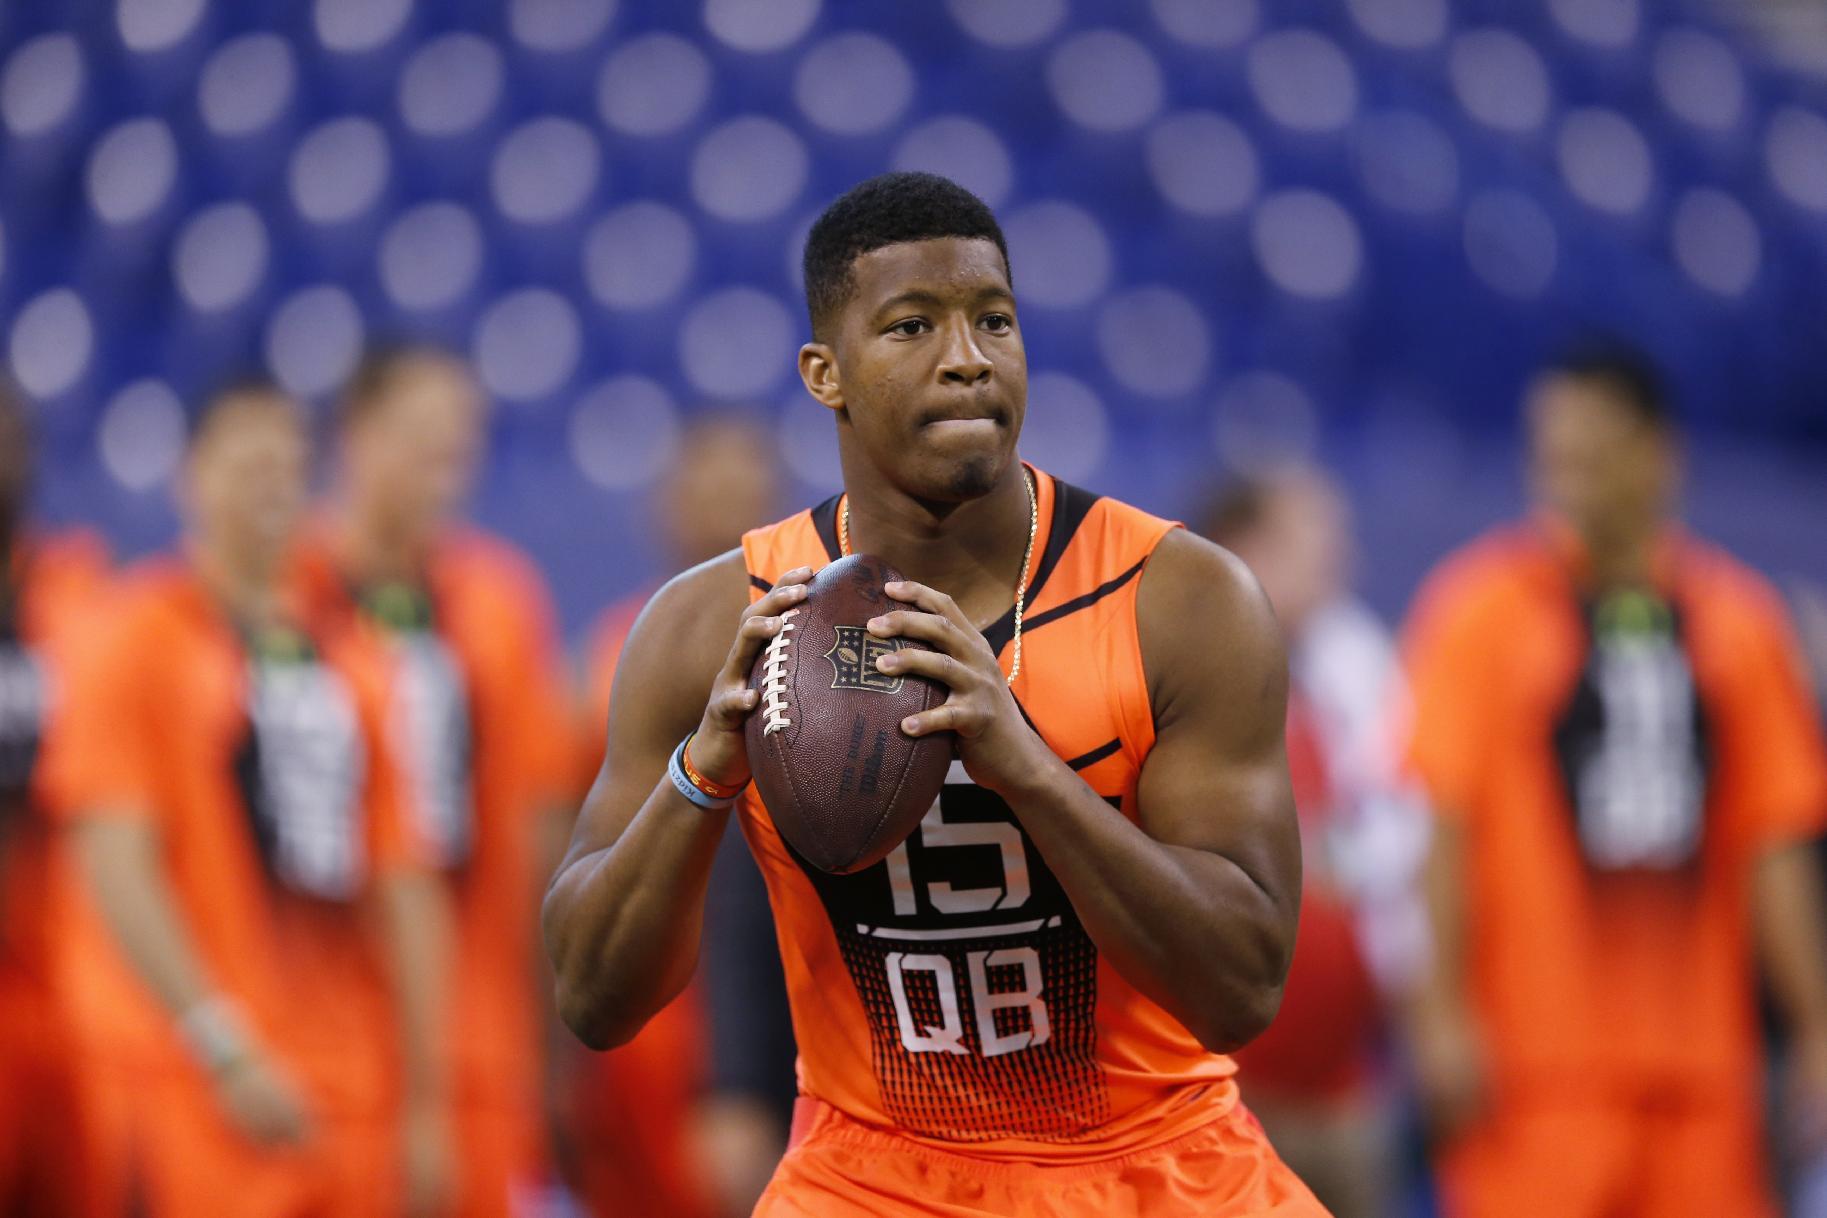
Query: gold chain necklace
{"points": [[1027, 557]]}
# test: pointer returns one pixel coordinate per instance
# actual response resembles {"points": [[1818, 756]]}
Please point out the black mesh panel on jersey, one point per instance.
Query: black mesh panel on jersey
{"points": [[1632, 742], [1052, 1090]]}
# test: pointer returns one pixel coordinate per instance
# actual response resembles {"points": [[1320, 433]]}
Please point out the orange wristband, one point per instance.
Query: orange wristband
{"points": [[715, 790]]}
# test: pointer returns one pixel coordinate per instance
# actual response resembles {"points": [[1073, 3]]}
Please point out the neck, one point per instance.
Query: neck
{"points": [[1621, 557], [371, 547], [246, 588], [971, 551]]}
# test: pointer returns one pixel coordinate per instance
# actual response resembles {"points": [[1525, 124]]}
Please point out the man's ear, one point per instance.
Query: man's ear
{"points": [[818, 369]]}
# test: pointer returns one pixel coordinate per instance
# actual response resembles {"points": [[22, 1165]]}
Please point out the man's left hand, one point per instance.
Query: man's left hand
{"points": [[998, 748]]}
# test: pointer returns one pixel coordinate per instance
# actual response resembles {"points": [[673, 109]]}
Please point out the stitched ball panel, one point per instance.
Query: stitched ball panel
{"points": [[843, 783]]}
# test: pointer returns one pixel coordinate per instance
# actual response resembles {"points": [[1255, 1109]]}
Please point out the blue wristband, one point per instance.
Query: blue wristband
{"points": [[675, 770]]}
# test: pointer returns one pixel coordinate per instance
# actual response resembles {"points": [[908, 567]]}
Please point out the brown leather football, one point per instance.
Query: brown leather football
{"points": [[844, 783]]}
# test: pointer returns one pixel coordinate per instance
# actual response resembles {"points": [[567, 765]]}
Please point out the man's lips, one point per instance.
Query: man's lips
{"points": [[937, 418]]}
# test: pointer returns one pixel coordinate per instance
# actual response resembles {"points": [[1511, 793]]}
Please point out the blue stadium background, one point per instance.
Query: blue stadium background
{"points": [[1239, 227]]}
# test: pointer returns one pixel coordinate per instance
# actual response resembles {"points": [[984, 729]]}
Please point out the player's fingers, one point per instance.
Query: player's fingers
{"points": [[930, 599], [732, 707], [924, 625], [773, 603], [951, 716], [934, 664], [754, 634], [798, 575]]}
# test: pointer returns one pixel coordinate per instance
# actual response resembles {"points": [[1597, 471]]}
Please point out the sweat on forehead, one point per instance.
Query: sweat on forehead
{"points": [[891, 209]]}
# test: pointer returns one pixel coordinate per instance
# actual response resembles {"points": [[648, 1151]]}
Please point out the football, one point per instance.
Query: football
{"points": [[844, 784]]}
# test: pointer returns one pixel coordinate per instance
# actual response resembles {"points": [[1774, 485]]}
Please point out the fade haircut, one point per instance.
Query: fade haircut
{"points": [[1624, 371], [887, 210]]}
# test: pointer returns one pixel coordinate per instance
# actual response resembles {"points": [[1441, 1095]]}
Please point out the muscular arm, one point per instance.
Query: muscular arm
{"points": [[1196, 904], [623, 914]]}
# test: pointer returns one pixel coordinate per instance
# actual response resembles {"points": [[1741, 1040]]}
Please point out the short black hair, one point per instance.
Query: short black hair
{"points": [[1623, 370], [887, 210], [377, 372], [239, 388]]}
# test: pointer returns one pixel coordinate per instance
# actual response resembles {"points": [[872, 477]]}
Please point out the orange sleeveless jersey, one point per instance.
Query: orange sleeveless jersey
{"points": [[950, 992]]}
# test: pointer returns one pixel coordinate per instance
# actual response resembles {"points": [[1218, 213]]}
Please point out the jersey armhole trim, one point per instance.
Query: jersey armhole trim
{"points": [[1137, 718]]}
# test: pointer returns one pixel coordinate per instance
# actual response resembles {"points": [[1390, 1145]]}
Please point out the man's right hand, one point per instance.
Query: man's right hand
{"points": [[262, 1101], [718, 750]]}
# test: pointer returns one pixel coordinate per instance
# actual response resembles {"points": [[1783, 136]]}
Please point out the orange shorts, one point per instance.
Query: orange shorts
{"points": [[1592, 1156], [838, 1168]]}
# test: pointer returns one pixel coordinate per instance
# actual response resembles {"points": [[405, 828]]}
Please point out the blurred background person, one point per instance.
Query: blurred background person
{"points": [[691, 1116], [1805, 1165], [1613, 726], [477, 716], [566, 197], [1318, 1079], [50, 1161], [234, 802]]}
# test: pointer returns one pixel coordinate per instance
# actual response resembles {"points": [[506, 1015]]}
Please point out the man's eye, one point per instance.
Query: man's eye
{"points": [[997, 323], [908, 328]]}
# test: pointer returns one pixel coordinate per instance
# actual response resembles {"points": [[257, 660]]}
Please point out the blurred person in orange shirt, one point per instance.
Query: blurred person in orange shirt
{"points": [[1613, 725], [237, 815], [691, 1116], [1313, 1078], [477, 716], [50, 1161]]}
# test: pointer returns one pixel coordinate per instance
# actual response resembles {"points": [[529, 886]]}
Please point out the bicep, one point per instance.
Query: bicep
{"points": [[1216, 779]]}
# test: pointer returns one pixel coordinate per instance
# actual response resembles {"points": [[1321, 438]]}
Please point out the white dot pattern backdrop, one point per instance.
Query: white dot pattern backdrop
{"points": [[1238, 228]]}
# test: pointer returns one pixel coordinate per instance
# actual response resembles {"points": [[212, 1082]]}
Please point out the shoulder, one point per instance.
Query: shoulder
{"points": [[71, 555], [498, 586], [693, 616], [1201, 616], [152, 590], [143, 622], [1185, 571], [67, 578], [1480, 581], [1739, 604], [1719, 575], [1116, 529], [482, 559]]}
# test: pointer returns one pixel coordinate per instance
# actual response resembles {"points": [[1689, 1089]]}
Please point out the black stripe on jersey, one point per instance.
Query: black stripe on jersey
{"points": [[1083, 602], [1087, 760], [755, 581], [1070, 507], [824, 521]]}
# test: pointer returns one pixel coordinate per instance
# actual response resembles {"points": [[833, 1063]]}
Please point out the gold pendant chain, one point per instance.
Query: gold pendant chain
{"points": [[1027, 558]]}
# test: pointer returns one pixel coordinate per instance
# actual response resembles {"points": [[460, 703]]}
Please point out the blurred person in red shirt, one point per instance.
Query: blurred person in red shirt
{"points": [[1314, 1077], [51, 1161], [477, 716], [234, 804], [1614, 728], [690, 1118]]}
